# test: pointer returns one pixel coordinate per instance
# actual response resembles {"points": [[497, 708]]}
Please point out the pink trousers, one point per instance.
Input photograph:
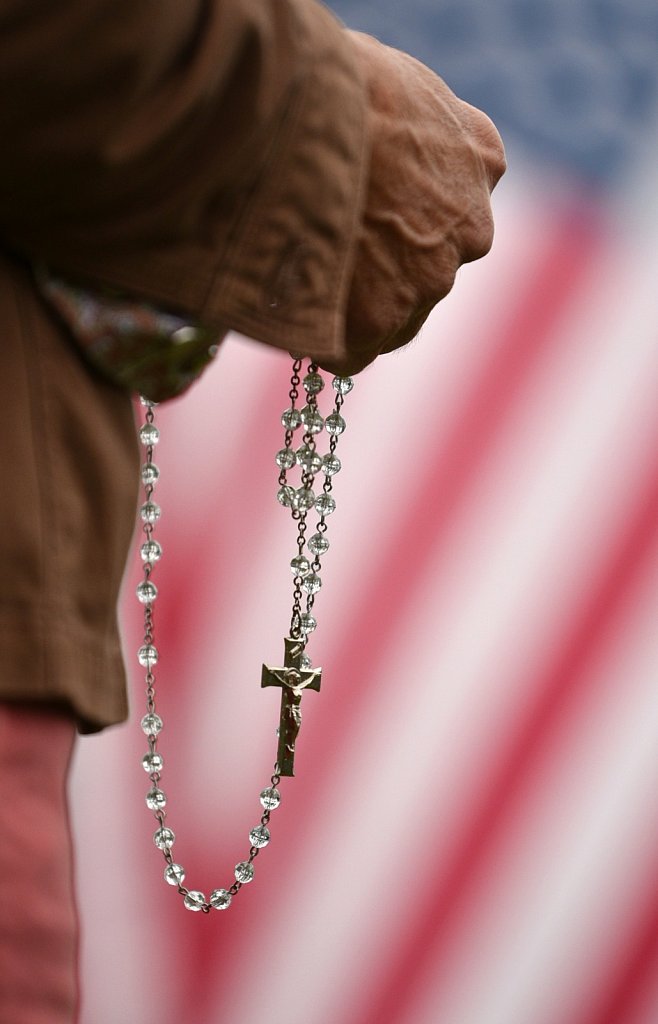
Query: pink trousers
{"points": [[38, 922]]}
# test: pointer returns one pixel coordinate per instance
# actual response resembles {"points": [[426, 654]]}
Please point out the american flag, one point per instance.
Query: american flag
{"points": [[472, 834]]}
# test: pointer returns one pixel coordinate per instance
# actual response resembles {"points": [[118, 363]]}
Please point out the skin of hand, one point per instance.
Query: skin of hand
{"points": [[434, 161]]}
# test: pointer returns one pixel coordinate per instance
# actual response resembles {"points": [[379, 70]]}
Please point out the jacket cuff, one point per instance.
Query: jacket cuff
{"points": [[270, 256], [286, 275]]}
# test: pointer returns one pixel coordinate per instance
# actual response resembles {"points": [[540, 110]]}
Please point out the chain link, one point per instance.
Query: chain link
{"points": [[299, 506], [307, 481]]}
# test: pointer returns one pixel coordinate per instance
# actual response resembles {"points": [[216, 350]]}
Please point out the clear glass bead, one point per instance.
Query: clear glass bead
{"points": [[164, 838], [146, 592], [318, 544], [304, 498], [150, 474], [259, 836], [153, 762], [174, 874], [147, 655], [335, 423], [343, 385], [312, 583], [305, 662], [150, 551], [149, 435], [285, 495], [244, 872], [307, 623], [194, 900], [151, 724], [313, 383], [150, 512], [308, 458], [220, 899], [270, 798], [331, 464], [325, 504], [300, 566], [291, 419], [285, 458], [312, 420], [156, 799]]}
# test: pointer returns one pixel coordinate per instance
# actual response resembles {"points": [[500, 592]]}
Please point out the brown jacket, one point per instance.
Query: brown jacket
{"points": [[206, 155]]}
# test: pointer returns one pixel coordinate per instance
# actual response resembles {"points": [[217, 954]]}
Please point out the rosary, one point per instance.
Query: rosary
{"points": [[297, 673]]}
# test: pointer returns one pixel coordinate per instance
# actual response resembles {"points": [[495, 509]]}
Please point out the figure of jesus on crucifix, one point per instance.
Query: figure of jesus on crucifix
{"points": [[293, 680]]}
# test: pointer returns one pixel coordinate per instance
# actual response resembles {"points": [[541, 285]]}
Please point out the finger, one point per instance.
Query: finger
{"points": [[349, 366], [409, 331], [477, 234], [486, 136]]}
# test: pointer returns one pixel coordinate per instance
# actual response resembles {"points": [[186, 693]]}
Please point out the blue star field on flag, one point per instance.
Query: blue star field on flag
{"points": [[572, 81]]}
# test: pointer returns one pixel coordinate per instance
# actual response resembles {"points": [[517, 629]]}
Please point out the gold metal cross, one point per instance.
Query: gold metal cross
{"points": [[292, 679]]}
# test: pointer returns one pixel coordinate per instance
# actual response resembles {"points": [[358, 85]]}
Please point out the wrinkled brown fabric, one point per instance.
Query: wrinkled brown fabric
{"points": [[208, 156], [70, 469]]}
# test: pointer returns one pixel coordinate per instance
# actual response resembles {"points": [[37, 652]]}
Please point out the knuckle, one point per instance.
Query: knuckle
{"points": [[489, 144], [477, 235], [445, 277], [496, 162], [438, 279], [484, 235]]}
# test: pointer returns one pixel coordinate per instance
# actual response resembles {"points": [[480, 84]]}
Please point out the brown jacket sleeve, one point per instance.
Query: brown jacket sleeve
{"points": [[207, 155]]}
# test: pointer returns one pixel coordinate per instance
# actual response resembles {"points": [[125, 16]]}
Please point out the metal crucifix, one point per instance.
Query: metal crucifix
{"points": [[293, 680]]}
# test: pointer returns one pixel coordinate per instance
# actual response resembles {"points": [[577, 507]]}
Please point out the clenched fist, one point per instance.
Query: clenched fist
{"points": [[434, 161]]}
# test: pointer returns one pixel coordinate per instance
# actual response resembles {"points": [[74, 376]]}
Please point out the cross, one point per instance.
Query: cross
{"points": [[292, 679]]}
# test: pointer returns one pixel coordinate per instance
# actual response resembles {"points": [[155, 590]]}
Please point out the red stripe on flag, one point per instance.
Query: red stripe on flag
{"points": [[201, 540], [521, 341], [623, 982], [211, 536], [562, 684]]}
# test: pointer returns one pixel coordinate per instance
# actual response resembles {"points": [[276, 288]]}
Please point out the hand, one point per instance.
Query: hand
{"points": [[433, 164]]}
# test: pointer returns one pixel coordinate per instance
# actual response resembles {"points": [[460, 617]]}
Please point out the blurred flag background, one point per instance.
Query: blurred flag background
{"points": [[472, 835]]}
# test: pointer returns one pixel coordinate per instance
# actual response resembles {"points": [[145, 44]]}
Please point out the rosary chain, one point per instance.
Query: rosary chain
{"points": [[300, 501], [297, 500]]}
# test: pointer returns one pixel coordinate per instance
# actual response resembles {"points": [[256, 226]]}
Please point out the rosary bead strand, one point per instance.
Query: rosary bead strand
{"points": [[296, 674]]}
